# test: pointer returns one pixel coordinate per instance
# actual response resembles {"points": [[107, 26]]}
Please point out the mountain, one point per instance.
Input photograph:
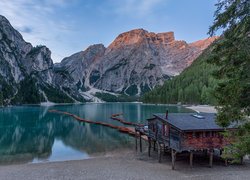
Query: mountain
{"points": [[134, 63], [26, 72], [193, 86]]}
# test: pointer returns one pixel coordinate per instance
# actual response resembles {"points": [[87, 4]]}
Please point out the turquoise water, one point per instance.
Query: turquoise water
{"points": [[30, 134]]}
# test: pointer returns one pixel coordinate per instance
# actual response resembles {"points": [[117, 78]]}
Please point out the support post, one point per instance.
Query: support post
{"points": [[241, 160], [205, 152], [149, 146], [191, 159], [211, 159], [226, 162], [159, 152], [154, 145], [173, 154], [136, 140], [140, 143]]}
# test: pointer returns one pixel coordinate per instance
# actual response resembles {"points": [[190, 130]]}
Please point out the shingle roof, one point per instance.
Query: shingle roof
{"points": [[188, 122]]}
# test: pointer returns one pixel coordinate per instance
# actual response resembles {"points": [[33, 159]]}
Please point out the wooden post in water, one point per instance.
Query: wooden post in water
{"points": [[149, 146], [191, 159], [140, 143], [211, 158], [173, 154]]}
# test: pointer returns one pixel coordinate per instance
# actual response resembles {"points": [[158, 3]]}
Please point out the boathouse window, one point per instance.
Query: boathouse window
{"points": [[212, 134], [196, 135], [207, 134]]}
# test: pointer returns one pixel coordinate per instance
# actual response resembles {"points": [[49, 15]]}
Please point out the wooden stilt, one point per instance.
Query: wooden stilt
{"points": [[226, 162], [140, 143], [154, 145], [149, 146], [206, 152], [191, 158], [241, 160], [220, 152], [173, 154], [211, 159], [159, 152], [136, 140]]}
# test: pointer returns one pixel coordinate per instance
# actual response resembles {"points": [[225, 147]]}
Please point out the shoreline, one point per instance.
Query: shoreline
{"points": [[125, 164], [201, 108]]}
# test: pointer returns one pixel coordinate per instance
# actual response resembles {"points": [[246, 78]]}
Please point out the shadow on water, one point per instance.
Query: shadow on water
{"points": [[32, 134]]}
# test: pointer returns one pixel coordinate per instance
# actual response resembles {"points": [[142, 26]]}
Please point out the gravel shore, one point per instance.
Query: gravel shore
{"points": [[203, 108], [125, 165]]}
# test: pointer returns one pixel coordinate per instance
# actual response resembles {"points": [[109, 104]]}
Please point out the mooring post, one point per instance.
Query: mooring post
{"points": [[140, 142], [149, 146], [211, 158], [191, 159], [173, 154]]}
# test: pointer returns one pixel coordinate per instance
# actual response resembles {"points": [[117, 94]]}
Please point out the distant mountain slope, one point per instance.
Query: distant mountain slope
{"points": [[192, 86], [134, 63]]}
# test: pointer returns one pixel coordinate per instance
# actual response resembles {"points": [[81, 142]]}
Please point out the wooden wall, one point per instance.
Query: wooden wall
{"points": [[202, 140]]}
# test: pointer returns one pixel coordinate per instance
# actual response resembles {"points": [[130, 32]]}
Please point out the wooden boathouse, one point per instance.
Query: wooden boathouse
{"points": [[184, 132]]}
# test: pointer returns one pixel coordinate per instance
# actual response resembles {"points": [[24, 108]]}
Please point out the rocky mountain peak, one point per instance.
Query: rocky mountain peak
{"points": [[14, 38], [38, 60], [128, 38], [94, 50], [138, 36]]}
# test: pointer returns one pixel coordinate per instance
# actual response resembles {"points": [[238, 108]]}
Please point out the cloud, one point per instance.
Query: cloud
{"points": [[138, 8], [25, 29]]}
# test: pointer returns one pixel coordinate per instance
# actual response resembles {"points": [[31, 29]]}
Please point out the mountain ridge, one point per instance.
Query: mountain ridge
{"points": [[134, 63]]}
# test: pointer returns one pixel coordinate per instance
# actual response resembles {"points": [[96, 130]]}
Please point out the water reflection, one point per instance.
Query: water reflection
{"points": [[32, 134]]}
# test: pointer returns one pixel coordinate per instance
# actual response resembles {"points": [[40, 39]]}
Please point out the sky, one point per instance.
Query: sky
{"points": [[70, 26]]}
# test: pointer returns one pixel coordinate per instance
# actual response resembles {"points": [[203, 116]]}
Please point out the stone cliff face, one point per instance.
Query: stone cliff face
{"points": [[134, 63], [25, 71]]}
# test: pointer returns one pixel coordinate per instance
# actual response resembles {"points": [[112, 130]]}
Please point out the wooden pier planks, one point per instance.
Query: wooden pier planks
{"points": [[122, 129], [115, 117]]}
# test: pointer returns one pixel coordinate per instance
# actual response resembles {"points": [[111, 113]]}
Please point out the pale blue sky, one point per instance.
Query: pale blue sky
{"points": [[69, 26]]}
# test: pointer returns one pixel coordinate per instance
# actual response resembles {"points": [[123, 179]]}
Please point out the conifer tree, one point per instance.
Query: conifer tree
{"points": [[231, 54]]}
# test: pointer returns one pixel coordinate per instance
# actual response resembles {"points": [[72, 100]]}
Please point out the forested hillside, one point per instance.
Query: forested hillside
{"points": [[193, 86]]}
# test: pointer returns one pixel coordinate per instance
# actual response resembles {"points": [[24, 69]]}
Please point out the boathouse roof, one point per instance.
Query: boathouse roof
{"points": [[193, 121]]}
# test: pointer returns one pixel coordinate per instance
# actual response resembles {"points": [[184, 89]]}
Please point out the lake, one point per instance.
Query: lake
{"points": [[31, 134]]}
